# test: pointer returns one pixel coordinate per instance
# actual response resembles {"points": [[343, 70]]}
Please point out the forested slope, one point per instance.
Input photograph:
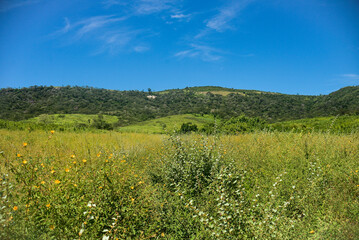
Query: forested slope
{"points": [[134, 106]]}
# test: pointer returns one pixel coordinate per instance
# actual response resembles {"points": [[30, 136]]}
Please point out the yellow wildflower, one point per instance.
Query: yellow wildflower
{"points": [[24, 162], [98, 154], [24, 144], [18, 155], [57, 181], [15, 208], [311, 232], [53, 171], [52, 227], [52, 131], [123, 161], [75, 185], [48, 205], [132, 187], [73, 156], [42, 182], [74, 162], [67, 170], [84, 160]]}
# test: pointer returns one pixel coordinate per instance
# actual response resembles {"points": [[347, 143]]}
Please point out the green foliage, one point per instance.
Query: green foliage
{"points": [[63, 122], [338, 124], [242, 124], [134, 106], [188, 127], [167, 124], [260, 185], [100, 123]]}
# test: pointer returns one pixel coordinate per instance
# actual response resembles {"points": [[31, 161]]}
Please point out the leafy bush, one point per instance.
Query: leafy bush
{"points": [[188, 127]]}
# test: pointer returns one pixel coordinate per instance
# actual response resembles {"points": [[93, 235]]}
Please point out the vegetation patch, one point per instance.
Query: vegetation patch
{"points": [[112, 185]]}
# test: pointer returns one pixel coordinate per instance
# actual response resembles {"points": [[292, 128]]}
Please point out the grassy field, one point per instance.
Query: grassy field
{"points": [[69, 119], [62, 122], [57, 185], [167, 124], [335, 124]]}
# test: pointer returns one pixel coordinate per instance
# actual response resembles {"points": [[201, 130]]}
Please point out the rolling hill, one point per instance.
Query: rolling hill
{"points": [[135, 106]]}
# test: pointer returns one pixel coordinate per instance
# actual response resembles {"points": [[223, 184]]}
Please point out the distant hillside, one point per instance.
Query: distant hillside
{"points": [[136, 106], [343, 101], [335, 124], [167, 124]]}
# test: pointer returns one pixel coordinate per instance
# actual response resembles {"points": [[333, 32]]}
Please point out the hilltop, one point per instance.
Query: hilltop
{"points": [[135, 106]]}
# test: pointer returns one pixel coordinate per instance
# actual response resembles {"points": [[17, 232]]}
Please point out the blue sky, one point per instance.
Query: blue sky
{"points": [[296, 46]]}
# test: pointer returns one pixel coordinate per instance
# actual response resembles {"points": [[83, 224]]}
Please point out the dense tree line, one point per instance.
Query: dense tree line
{"points": [[134, 106]]}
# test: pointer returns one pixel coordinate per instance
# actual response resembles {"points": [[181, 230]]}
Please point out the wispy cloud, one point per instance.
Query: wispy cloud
{"points": [[350, 76], [105, 31], [9, 5], [180, 16], [66, 28], [113, 42], [141, 49], [123, 41], [203, 52], [143, 7], [153, 6], [221, 21], [88, 25], [110, 3]]}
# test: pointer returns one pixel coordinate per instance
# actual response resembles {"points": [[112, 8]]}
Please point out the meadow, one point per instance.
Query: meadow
{"points": [[111, 185]]}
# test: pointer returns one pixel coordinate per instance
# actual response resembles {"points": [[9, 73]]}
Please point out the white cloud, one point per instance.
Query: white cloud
{"points": [[350, 76], [86, 26], [153, 6], [104, 31], [203, 52], [122, 41], [180, 16], [9, 5], [141, 49], [144, 7], [221, 21], [110, 3], [94, 23], [67, 26]]}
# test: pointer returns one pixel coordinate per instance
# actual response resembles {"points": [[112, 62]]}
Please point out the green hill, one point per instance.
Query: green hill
{"points": [[70, 119], [136, 106], [63, 122], [167, 124], [338, 124]]}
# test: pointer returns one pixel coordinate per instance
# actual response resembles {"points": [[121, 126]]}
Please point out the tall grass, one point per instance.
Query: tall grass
{"points": [[138, 186]]}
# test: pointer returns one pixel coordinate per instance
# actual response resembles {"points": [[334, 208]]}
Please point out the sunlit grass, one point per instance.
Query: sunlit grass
{"points": [[125, 185]]}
